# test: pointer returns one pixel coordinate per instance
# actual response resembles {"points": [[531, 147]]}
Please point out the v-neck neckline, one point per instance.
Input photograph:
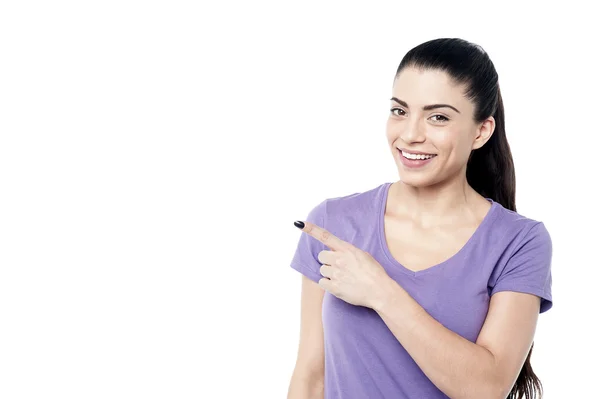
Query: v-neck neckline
{"points": [[488, 218]]}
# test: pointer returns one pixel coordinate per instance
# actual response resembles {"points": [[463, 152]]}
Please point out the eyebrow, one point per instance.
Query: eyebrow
{"points": [[427, 107]]}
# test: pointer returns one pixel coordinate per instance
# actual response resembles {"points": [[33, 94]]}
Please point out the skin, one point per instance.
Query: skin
{"points": [[308, 378], [426, 207]]}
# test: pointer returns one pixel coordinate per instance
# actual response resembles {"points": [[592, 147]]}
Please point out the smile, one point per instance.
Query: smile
{"points": [[415, 160], [417, 156]]}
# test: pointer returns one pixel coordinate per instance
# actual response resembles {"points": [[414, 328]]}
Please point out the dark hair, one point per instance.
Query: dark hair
{"points": [[490, 169]]}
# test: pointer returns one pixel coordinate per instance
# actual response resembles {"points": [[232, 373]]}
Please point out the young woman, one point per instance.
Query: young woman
{"points": [[430, 286]]}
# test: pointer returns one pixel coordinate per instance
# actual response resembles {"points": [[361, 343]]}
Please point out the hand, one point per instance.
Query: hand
{"points": [[349, 273]]}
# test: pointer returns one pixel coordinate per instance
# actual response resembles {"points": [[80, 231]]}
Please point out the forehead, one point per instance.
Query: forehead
{"points": [[422, 87]]}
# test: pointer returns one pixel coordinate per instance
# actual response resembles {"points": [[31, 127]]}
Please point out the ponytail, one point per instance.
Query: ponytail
{"points": [[490, 170]]}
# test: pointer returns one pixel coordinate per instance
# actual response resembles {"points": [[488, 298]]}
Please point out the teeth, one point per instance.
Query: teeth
{"points": [[415, 156]]}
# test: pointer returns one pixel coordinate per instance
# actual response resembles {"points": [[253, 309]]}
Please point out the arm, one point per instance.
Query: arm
{"points": [[457, 366], [308, 377]]}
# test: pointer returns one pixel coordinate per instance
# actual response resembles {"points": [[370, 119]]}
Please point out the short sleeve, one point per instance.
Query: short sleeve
{"points": [[529, 268], [305, 258]]}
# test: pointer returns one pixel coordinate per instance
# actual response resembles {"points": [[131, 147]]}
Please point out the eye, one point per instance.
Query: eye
{"points": [[444, 119], [397, 109]]}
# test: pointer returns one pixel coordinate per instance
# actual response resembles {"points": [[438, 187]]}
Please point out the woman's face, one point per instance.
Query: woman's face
{"points": [[447, 133]]}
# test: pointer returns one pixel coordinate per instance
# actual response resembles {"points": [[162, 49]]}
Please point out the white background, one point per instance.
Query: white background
{"points": [[154, 155]]}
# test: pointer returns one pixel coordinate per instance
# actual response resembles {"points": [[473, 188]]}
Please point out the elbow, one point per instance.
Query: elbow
{"points": [[496, 394], [487, 392], [494, 389], [496, 385], [488, 389]]}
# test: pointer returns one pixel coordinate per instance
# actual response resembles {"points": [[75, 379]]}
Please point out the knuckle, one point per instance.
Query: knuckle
{"points": [[320, 257], [336, 275]]}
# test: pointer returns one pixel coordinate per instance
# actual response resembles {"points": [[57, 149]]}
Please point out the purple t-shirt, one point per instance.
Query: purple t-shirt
{"points": [[363, 359]]}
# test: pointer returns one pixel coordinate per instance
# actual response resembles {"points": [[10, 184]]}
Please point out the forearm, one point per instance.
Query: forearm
{"points": [[306, 387], [457, 366]]}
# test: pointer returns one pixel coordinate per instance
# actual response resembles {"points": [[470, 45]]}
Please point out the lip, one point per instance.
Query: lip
{"points": [[414, 163]]}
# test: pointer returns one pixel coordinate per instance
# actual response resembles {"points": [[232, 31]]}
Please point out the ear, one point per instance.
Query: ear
{"points": [[484, 132]]}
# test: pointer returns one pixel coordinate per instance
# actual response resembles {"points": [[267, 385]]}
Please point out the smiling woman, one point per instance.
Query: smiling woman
{"points": [[430, 286]]}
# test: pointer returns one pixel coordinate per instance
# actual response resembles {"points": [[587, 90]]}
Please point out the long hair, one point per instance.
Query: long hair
{"points": [[490, 169]]}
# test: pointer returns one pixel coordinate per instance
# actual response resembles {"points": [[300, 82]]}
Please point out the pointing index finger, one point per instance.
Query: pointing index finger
{"points": [[325, 237]]}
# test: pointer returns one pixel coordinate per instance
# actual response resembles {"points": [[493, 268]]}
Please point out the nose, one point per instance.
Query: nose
{"points": [[413, 133]]}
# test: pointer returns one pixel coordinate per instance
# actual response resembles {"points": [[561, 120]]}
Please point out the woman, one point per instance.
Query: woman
{"points": [[431, 286]]}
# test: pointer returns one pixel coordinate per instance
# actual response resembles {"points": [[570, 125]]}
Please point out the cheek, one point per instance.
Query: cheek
{"points": [[389, 131], [444, 140], [451, 143]]}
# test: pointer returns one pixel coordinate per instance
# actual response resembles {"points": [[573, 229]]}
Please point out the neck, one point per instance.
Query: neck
{"points": [[442, 203]]}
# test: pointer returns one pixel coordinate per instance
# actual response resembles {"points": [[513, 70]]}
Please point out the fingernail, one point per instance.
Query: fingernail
{"points": [[299, 224]]}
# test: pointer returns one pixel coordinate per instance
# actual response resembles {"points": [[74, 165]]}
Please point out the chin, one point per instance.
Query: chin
{"points": [[420, 177], [416, 181]]}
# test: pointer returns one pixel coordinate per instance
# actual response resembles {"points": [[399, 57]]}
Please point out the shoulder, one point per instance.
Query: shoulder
{"points": [[517, 230], [343, 215], [353, 203]]}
